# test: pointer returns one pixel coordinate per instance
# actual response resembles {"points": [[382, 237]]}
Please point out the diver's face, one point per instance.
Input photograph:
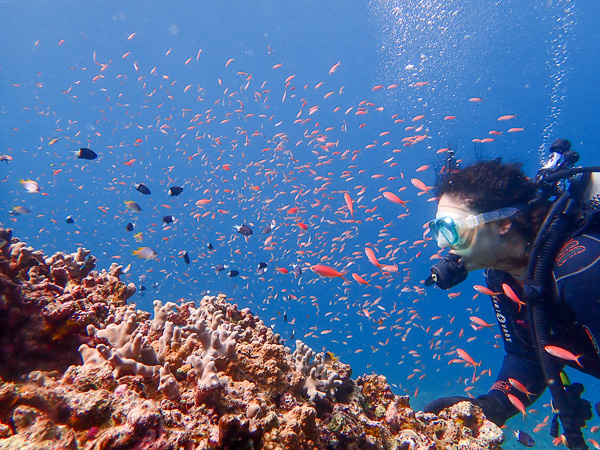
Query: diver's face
{"points": [[478, 247]]}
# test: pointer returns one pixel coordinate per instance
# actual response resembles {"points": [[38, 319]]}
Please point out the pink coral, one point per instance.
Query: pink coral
{"points": [[206, 376]]}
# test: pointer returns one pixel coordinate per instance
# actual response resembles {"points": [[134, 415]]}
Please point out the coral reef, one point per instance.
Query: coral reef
{"points": [[80, 368]]}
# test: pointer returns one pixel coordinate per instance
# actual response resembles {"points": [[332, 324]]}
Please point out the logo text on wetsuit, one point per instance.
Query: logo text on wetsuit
{"points": [[501, 320]]}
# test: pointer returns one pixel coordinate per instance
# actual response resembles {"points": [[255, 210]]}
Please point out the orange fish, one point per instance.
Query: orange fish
{"points": [[475, 100], [423, 168], [511, 294], [420, 185], [515, 130], [349, 203], [466, 357], [520, 387], [480, 322], [449, 117], [360, 279], [327, 271], [563, 354], [507, 117], [372, 258], [394, 198], [485, 291], [517, 404], [334, 67]]}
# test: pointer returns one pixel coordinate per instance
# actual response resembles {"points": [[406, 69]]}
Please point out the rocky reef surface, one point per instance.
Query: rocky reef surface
{"points": [[81, 368]]}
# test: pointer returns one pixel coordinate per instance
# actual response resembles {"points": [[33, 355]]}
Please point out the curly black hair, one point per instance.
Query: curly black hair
{"points": [[489, 185]]}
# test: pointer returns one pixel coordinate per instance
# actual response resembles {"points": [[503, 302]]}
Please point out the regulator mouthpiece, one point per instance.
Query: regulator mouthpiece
{"points": [[448, 272]]}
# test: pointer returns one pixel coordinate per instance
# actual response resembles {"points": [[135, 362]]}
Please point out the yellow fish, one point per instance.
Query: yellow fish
{"points": [[145, 253]]}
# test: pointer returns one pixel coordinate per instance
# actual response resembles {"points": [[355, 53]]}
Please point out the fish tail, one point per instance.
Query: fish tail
{"points": [[577, 360]]}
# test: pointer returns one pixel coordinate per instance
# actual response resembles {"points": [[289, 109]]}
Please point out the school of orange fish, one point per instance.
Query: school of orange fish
{"points": [[255, 163]]}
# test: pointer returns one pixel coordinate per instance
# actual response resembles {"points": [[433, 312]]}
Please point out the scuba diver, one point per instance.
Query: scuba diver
{"points": [[539, 243]]}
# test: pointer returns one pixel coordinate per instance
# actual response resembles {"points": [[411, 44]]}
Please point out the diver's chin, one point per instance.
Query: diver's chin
{"points": [[464, 260]]}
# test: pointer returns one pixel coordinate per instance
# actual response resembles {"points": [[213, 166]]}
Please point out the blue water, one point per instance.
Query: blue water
{"points": [[129, 81]]}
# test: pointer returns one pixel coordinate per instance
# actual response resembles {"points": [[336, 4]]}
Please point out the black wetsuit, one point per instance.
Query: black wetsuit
{"points": [[574, 321]]}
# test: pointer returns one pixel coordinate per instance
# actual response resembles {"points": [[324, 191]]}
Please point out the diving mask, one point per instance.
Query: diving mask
{"points": [[446, 228]]}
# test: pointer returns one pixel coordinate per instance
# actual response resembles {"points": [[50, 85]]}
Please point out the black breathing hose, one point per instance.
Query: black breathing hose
{"points": [[554, 229], [565, 173], [558, 206]]}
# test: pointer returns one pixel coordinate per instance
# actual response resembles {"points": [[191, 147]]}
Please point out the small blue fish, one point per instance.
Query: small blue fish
{"points": [[86, 153], [262, 268], [243, 229], [524, 438], [269, 227], [221, 267], [143, 189], [174, 191]]}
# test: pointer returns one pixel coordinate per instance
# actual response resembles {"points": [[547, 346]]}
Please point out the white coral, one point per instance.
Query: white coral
{"points": [[320, 382], [205, 370]]}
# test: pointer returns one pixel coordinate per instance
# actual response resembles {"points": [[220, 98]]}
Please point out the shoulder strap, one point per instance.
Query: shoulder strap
{"points": [[587, 220]]}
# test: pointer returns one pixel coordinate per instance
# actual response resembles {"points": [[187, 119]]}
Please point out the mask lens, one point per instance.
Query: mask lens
{"points": [[447, 227], [450, 233]]}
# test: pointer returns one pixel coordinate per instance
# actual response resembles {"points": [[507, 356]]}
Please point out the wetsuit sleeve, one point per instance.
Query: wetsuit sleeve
{"points": [[520, 362], [528, 373]]}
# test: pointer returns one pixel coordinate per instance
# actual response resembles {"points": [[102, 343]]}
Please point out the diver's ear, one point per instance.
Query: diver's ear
{"points": [[504, 226]]}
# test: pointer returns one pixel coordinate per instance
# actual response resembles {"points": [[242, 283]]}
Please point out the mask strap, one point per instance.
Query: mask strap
{"points": [[480, 219]]}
